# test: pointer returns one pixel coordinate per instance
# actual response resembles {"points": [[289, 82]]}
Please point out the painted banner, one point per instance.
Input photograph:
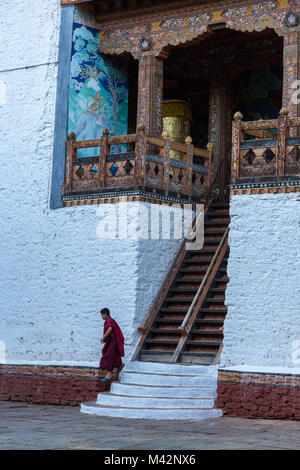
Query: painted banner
{"points": [[98, 90]]}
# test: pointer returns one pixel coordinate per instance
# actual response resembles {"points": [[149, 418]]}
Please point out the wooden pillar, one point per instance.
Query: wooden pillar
{"points": [[165, 179], [70, 156], [150, 95], [220, 123], [291, 73], [188, 182], [281, 142], [104, 151], [140, 156], [236, 143]]}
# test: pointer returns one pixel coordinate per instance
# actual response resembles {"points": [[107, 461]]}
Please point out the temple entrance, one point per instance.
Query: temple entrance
{"points": [[220, 73]]}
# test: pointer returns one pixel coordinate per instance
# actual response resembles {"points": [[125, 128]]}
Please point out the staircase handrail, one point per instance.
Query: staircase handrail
{"points": [[201, 287], [180, 252], [207, 201]]}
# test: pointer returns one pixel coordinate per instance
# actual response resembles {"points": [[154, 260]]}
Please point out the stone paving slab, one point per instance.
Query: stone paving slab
{"points": [[26, 426]]}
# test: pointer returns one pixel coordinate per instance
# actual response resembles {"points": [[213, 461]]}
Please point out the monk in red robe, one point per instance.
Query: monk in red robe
{"points": [[113, 349]]}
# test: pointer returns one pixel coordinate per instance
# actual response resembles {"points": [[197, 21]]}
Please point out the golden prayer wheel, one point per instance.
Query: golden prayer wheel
{"points": [[177, 121]]}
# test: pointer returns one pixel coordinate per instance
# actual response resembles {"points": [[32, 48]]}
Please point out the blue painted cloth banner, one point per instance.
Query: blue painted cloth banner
{"points": [[98, 90]]}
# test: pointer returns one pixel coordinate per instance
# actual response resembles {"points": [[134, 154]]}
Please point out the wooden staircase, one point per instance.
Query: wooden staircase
{"points": [[201, 339]]}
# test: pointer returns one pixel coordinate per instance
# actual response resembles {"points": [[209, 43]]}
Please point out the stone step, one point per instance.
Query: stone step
{"points": [[151, 413], [139, 378], [163, 392], [114, 400], [161, 368]]}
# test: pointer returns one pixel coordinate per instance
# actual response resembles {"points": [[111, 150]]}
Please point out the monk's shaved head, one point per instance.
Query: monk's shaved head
{"points": [[105, 311]]}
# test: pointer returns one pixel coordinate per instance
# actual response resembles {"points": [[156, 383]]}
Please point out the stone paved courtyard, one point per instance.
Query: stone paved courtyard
{"points": [[25, 426]]}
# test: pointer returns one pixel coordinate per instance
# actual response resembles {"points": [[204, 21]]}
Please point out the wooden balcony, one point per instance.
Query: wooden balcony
{"points": [[265, 151], [145, 168]]}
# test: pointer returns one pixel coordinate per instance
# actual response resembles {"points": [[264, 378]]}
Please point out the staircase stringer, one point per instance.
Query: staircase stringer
{"points": [[161, 295], [200, 301]]}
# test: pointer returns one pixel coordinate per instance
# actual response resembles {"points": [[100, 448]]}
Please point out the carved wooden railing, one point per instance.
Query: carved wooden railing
{"points": [[272, 153], [138, 169]]}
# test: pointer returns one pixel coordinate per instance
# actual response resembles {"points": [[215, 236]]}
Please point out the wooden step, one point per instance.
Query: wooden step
{"points": [[198, 354], [214, 232], [217, 204], [213, 310], [203, 321], [201, 260], [169, 320], [203, 343], [205, 332], [190, 280], [205, 251], [197, 260], [217, 290], [215, 300], [199, 270], [218, 213], [155, 356], [173, 310], [212, 223], [161, 341], [164, 331], [183, 290], [178, 299], [211, 241]]}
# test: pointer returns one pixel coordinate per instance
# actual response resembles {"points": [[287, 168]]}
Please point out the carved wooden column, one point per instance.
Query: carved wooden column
{"points": [[150, 95], [220, 124], [291, 72]]}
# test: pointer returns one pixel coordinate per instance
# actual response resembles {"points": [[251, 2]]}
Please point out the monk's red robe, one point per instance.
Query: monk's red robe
{"points": [[113, 348]]}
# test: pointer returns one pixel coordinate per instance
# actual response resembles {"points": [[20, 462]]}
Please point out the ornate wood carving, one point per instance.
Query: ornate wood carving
{"points": [[291, 70], [182, 25], [150, 91], [264, 158]]}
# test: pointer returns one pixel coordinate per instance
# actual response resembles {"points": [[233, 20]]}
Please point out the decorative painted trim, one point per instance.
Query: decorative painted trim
{"points": [[253, 144], [128, 196], [179, 26], [262, 188], [61, 109]]}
